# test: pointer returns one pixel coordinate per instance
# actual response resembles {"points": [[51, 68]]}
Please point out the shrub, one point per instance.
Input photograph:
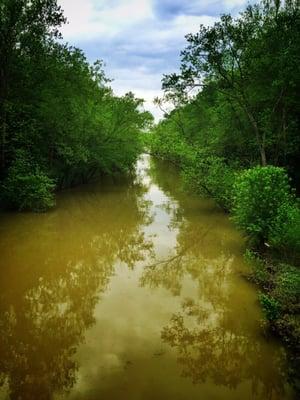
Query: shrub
{"points": [[271, 306], [209, 175], [27, 187], [260, 274], [285, 231], [258, 195], [288, 327], [287, 288]]}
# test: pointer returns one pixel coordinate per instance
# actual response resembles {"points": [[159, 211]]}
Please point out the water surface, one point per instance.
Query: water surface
{"points": [[131, 290]]}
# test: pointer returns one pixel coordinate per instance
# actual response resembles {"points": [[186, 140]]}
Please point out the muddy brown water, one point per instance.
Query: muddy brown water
{"points": [[131, 290]]}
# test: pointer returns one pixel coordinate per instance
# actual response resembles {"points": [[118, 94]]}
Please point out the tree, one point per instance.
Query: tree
{"points": [[24, 26], [58, 115], [252, 60]]}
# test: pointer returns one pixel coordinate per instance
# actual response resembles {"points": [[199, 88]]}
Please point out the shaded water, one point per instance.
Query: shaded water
{"points": [[131, 290]]}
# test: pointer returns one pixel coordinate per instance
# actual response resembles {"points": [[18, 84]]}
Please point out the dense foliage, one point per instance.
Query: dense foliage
{"points": [[259, 195], [60, 123], [233, 129]]}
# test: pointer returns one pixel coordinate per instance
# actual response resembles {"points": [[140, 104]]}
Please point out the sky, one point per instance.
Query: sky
{"points": [[139, 40]]}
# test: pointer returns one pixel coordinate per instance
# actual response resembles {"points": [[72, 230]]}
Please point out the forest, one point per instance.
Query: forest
{"points": [[60, 122], [231, 124]]}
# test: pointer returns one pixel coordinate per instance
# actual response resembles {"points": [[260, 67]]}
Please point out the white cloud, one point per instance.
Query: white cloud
{"points": [[184, 24], [90, 18], [234, 3]]}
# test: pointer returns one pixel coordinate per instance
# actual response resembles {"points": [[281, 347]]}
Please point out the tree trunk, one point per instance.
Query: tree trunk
{"points": [[3, 140], [260, 139], [263, 157], [3, 122]]}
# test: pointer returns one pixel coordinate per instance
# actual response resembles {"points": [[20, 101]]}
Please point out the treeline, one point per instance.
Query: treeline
{"points": [[60, 123], [234, 132]]}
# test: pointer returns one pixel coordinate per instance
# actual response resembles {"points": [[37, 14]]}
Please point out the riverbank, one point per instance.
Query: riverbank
{"points": [[262, 205], [231, 122]]}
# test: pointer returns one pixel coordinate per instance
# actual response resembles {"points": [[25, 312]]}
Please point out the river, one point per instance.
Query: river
{"points": [[131, 289]]}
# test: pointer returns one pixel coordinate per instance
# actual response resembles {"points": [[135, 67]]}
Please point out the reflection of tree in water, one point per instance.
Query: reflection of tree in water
{"points": [[170, 272], [210, 350], [40, 334], [214, 338], [44, 316]]}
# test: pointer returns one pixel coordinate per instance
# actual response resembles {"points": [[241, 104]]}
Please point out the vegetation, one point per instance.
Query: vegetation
{"points": [[60, 123], [259, 194], [233, 129]]}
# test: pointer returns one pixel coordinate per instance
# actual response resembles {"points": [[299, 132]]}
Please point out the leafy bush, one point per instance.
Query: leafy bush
{"points": [[288, 326], [285, 231], [287, 288], [260, 274], [209, 175], [259, 194], [166, 143], [27, 187], [271, 306]]}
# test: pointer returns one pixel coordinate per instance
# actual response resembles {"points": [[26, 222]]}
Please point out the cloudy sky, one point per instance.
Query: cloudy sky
{"points": [[139, 40]]}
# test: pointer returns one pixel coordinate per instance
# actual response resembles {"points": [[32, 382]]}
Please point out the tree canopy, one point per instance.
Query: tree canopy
{"points": [[60, 122], [246, 70]]}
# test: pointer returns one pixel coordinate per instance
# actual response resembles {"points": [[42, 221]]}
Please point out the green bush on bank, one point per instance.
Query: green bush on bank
{"points": [[285, 232], [27, 187], [169, 147], [260, 194], [209, 175], [270, 306], [287, 288], [280, 297], [261, 275]]}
